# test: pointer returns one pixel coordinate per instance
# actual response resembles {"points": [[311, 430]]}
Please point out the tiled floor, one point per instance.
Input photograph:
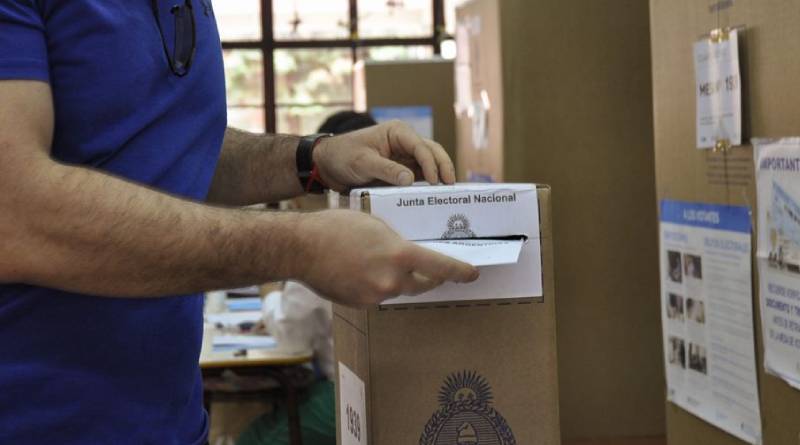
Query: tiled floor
{"points": [[627, 441]]}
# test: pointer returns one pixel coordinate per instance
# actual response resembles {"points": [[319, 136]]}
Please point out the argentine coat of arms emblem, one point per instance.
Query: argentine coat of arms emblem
{"points": [[466, 415], [458, 227]]}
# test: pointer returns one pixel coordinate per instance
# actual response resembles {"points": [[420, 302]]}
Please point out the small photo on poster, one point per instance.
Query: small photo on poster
{"points": [[692, 266], [675, 269], [696, 310], [783, 222], [675, 307], [677, 352], [697, 358]]}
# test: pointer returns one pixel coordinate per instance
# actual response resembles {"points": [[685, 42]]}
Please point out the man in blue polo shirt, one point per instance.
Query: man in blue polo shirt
{"points": [[116, 170]]}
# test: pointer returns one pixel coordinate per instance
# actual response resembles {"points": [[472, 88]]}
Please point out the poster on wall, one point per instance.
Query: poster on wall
{"points": [[778, 187], [420, 118], [707, 314], [718, 90]]}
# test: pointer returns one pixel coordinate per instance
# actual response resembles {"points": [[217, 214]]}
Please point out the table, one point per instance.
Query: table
{"points": [[285, 367]]}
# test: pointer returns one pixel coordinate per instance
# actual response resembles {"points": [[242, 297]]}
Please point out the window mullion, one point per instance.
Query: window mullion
{"points": [[438, 26], [354, 20], [267, 48]]}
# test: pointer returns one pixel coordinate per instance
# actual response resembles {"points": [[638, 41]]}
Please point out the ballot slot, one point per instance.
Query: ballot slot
{"points": [[479, 251], [492, 226]]}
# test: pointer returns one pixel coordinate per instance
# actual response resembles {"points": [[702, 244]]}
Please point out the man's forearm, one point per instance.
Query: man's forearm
{"points": [[255, 169], [81, 230]]}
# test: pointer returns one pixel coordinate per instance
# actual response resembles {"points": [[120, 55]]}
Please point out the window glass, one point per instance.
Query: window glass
{"points": [[389, 53], [305, 119], [244, 84], [310, 19], [312, 76], [247, 118], [395, 18], [238, 20], [312, 83]]}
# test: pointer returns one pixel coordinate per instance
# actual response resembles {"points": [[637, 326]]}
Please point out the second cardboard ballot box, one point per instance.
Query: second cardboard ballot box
{"points": [[464, 364]]}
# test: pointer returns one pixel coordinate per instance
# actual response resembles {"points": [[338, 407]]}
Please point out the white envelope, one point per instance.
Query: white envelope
{"points": [[478, 252]]}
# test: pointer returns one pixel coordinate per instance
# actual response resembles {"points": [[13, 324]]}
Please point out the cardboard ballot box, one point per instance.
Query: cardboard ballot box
{"points": [[465, 363]]}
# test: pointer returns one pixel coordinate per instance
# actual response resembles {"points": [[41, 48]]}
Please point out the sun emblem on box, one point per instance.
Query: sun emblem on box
{"points": [[466, 415], [458, 227]]}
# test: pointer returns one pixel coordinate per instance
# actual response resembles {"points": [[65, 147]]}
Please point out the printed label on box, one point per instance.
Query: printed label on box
{"points": [[455, 211], [493, 226], [353, 407]]}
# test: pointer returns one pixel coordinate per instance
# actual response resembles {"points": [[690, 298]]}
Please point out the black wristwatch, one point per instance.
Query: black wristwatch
{"points": [[306, 171]]}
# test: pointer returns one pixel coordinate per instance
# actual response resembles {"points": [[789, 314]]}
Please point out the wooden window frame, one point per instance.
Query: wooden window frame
{"points": [[267, 45]]}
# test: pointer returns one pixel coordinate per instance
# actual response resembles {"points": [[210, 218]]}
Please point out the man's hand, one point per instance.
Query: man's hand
{"points": [[116, 238], [357, 260], [261, 168], [390, 152]]}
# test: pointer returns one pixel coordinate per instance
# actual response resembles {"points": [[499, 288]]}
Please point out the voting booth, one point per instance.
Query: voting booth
{"points": [[463, 363], [705, 53], [418, 92], [559, 92]]}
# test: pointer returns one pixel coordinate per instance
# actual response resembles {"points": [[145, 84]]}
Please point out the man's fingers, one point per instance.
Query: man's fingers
{"points": [[447, 170], [440, 267], [386, 170], [403, 137], [425, 158], [416, 284]]}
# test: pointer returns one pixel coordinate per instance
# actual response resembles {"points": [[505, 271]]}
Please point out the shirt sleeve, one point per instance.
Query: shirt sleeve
{"points": [[23, 46]]}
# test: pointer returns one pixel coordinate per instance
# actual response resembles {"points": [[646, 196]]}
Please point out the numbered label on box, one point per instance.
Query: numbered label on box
{"points": [[352, 405]]}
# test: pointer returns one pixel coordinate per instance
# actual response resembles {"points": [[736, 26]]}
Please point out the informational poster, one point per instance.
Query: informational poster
{"points": [[420, 118], [719, 90], [463, 70], [707, 315], [778, 186], [480, 121]]}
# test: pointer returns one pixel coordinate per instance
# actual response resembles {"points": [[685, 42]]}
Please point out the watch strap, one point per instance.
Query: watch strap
{"points": [[307, 174]]}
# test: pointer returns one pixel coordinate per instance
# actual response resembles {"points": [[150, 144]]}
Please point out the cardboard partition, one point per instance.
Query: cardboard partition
{"points": [[479, 99], [771, 103], [393, 88], [568, 85], [457, 371]]}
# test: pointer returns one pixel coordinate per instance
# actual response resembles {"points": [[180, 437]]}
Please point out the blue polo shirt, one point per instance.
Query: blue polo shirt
{"points": [[77, 369]]}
